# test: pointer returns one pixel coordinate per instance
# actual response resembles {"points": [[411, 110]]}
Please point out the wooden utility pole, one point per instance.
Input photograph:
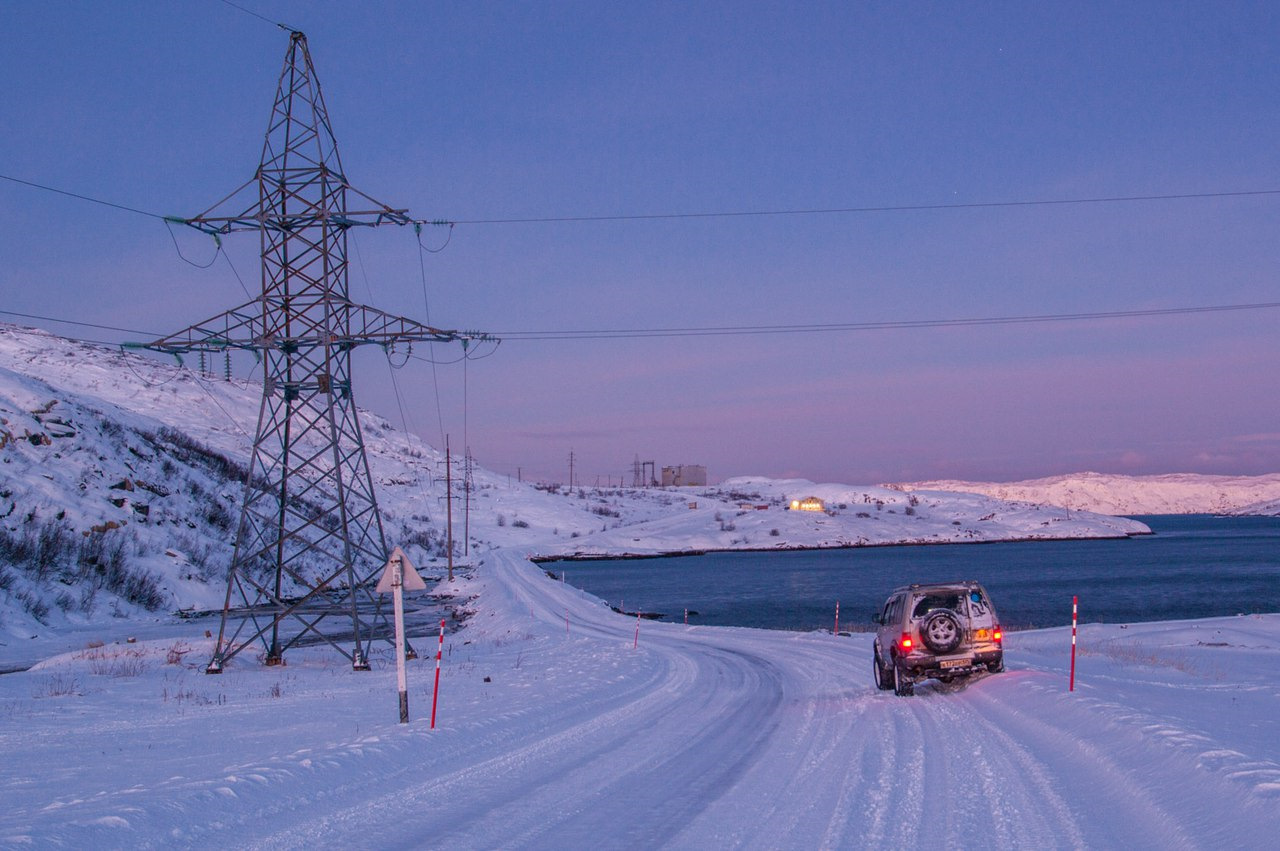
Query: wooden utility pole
{"points": [[448, 501], [466, 506]]}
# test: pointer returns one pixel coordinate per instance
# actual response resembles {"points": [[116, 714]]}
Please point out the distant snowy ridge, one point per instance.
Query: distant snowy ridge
{"points": [[753, 513], [1104, 493]]}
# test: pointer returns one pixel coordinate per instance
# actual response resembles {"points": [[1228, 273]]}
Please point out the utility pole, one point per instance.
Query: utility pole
{"points": [[310, 541], [466, 511], [448, 500], [570, 469]]}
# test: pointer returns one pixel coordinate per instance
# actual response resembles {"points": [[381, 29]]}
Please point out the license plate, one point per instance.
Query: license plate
{"points": [[954, 663]]}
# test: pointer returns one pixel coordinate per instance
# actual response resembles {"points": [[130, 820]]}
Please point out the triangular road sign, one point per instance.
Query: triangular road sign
{"points": [[409, 578]]}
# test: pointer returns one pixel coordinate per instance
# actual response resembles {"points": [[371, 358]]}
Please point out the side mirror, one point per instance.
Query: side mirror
{"points": [[877, 619]]}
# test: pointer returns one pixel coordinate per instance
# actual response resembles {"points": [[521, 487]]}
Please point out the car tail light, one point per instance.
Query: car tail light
{"points": [[997, 634], [904, 643]]}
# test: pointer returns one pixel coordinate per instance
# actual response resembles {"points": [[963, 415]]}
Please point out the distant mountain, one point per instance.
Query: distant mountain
{"points": [[1173, 493]]}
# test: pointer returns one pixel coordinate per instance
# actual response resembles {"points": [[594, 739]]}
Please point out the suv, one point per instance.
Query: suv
{"points": [[936, 631]]}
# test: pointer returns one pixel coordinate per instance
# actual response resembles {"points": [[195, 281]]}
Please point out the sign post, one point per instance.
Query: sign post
{"points": [[397, 577], [1071, 686], [435, 694]]}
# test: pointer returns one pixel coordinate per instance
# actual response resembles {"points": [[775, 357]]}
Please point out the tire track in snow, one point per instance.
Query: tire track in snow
{"points": [[990, 782], [814, 734], [517, 799], [928, 772], [722, 703], [1113, 772], [656, 798], [494, 794]]}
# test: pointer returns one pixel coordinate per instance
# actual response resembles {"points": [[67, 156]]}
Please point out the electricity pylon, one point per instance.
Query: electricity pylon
{"points": [[310, 540]]}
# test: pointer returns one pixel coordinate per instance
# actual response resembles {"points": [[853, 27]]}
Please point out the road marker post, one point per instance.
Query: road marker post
{"points": [[836, 631], [1074, 609], [636, 643], [397, 577], [435, 694]]}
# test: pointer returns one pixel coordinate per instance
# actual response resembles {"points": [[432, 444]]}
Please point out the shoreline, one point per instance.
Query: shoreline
{"points": [[629, 556]]}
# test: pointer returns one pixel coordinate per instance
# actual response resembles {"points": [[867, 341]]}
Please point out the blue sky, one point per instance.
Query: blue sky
{"points": [[500, 110]]}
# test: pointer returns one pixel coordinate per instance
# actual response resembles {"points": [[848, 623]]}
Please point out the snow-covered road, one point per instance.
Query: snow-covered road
{"points": [[699, 737]]}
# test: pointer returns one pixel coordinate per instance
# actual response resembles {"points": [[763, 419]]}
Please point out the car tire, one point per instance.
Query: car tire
{"points": [[995, 667], [903, 686], [941, 631], [883, 674]]}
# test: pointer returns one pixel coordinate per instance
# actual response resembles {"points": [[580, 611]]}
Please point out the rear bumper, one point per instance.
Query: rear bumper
{"points": [[925, 667]]}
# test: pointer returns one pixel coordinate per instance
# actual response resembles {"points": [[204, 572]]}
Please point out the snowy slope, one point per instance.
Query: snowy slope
{"points": [[1267, 507], [555, 731], [1175, 493], [120, 485]]}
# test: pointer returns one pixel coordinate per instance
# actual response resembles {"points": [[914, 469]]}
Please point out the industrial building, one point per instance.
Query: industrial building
{"points": [[684, 475]]}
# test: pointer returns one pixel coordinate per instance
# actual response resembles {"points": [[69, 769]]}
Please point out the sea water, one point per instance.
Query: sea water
{"points": [[1193, 566]]}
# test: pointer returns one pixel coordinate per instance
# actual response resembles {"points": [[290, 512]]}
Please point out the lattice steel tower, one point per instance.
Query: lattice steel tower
{"points": [[310, 539]]}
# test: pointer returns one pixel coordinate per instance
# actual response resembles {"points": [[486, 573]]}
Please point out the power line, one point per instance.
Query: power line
{"points": [[284, 27], [727, 214], [35, 185], [426, 307], [897, 208], [80, 324], [740, 330], [737, 330]]}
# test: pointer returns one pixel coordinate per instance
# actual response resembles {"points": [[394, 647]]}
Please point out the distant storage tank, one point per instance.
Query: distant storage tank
{"points": [[684, 475]]}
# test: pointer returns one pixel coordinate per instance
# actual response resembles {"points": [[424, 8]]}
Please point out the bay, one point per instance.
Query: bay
{"points": [[1193, 566]]}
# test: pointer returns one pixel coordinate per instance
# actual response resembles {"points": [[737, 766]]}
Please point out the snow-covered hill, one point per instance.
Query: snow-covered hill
{"points": [[1174, 493], [755, 513], [120, 483]]}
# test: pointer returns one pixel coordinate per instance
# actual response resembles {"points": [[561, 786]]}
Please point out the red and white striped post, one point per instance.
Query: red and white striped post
{"points": [[836, 631], [435, 695], [636, 643], [1074, 609]]}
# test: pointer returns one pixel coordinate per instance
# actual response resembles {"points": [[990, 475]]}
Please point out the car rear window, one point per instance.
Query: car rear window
{"points": [[930, 602]]}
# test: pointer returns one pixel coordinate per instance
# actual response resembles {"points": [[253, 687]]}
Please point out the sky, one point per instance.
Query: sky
{"points": [[600, 115]]}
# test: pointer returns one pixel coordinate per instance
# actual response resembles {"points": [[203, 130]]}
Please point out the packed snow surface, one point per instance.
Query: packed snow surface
{"points": [[559, 725]]}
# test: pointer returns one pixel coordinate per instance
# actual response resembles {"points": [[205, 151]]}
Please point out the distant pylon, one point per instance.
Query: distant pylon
{"points": [[310, 540]]}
